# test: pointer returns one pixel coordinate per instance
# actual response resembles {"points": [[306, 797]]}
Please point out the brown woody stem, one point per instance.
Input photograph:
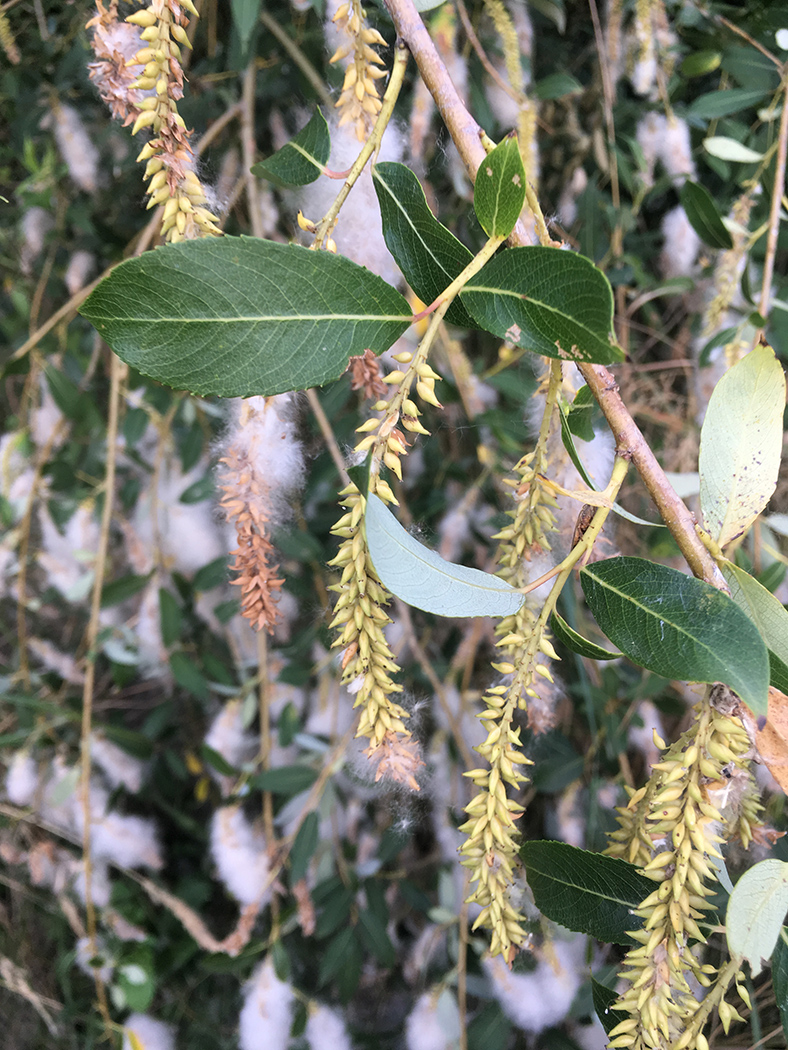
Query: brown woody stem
{"points": [[467, 136]]}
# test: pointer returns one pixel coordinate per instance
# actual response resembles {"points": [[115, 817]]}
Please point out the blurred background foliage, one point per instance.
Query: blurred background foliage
{"points": [[365, 912]]}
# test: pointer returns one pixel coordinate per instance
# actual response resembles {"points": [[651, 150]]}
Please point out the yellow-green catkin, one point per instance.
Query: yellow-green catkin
{"points": [[359, 102], [8, 41], [359, 614], [727, 274], [672, 828], [172, 180], [490, 850]]}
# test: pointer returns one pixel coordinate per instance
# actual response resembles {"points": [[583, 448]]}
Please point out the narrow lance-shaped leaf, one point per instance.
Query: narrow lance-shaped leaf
{"points": [[552, 302], [756, 911], [769, 616], [584, 891], [741, 444], [704, 218], [301, 160], [569, 637], [240, 316], [499, 190], [422, 578], [780, 976], [429, 255], [677, 626], [730, 149]]}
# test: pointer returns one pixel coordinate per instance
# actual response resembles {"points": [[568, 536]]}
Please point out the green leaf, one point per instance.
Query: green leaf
{"points": [[580, 416], [499, 190], [211, 575], [723, 103], [741, 444], [201, 490], [236, 316], [780, 976], [557, 85], [699, 63], [603, 998], [120, 590], [136, 978], [567, 636], [490, 1029], [334, 956], [584, 891], [750, 68], [170, 618], [423, 579], [304, 846], [373, 934], [303, 158], [767, 613], [188, 676], [729, 149], [217, 761], [245, 15], [756, 910], [429, 256], [285, 780], [552, 302], [704, 218], [677, 626]]}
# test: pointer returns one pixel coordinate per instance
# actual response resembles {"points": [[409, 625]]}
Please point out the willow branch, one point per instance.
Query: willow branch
{"points": [[467, 136], [774, 212]]}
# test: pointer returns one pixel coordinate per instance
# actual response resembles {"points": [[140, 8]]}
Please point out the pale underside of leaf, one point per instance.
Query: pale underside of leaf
{"points": [[420, 577], [741, 444], [756, 910]]}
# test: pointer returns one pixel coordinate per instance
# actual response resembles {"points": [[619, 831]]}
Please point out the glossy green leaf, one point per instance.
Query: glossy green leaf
{"points": [[741, 444], [557, 85], [121, 590], [245, 15], [420, 577], [603, 999], [170, 618], [188, 675], [217, 761], [584, 891], [699, 63], [768, 614], [567, 636], [756, 910], [704, 218], [750, 69], [301, 160], [429, 256], [552, 302], [236, 316], [499, 190], [374, 937], [780, 976], [677, 626], [580, 414], [285, 780], [730, 149], [135, 977], [304, 847], [723, 103]]}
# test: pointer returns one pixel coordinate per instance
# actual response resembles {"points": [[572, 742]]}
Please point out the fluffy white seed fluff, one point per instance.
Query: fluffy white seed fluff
{"points": [[127, 840], [79, 269], [434, 1023], [359, 233], [264, 430], [676, 151], [149, 1033], [85, 958], [78, 152], [66, 557], [325, 1030], [228, 737], [117, 765], [36, 224], [239, 853], [265, 1018], [681, 245], [21, 782], [45, 419], [53, 660], [540, 999]]}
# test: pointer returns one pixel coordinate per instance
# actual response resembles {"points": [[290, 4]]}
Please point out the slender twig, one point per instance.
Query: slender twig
{"points": [[298, 56], [475, 43], [466, 134], [116, 369], [248, 147], [328, 435], [329, 220], [774, 212], [722, 20]]}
